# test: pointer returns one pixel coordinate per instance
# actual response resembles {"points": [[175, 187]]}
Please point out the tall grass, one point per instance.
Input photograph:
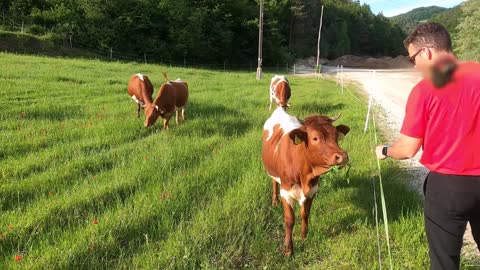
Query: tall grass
{"points": [[83, 185]]}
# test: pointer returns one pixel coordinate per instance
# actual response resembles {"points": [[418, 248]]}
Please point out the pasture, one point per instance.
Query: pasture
{"points": [[83, 185]]}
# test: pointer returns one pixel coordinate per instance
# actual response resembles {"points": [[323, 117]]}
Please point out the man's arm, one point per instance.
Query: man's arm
{"points": [[405, 147]]}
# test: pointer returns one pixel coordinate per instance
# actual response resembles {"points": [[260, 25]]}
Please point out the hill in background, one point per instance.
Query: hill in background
{"points": [[407, 21]]}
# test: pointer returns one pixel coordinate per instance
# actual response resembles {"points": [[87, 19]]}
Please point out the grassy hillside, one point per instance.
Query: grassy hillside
{"points": [[83, 185], [410, 19], [449, 18]]}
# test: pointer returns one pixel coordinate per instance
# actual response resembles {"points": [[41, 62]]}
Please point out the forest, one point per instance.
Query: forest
{"points": [[207, 31], [226, 31]]}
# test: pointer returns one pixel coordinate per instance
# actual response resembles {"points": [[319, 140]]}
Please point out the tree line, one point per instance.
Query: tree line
{"points": [[208, 31]]}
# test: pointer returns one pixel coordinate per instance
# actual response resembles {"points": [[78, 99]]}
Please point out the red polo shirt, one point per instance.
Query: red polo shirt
{"points": [[448, 121]]}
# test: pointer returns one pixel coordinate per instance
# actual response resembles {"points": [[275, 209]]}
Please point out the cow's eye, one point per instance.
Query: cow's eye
{"points": [[315, 138]]}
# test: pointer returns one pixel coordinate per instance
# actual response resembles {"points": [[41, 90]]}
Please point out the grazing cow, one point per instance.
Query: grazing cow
{"points": [[172, 97], [279, 91], [295, 153], [140, 90]]}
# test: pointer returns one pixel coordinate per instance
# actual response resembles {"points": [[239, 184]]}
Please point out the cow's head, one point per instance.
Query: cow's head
{"points": [[321, 138], [152, 112]]}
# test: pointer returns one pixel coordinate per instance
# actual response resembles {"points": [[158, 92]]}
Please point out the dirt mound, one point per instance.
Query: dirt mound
{"points": [[370, 62]]}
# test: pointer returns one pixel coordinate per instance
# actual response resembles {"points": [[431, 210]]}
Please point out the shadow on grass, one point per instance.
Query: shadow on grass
{"points": [[316, 107], [399, 199], [204, 120], [55, 112]]}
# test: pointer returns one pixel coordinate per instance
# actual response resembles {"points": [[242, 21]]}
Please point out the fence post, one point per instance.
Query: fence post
{"points": [[111, 53], [224, 66], [294, 69], [341, 72]]}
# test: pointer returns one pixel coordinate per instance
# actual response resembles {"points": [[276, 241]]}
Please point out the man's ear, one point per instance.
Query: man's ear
{"points": [[342, 131], [298, 135]]}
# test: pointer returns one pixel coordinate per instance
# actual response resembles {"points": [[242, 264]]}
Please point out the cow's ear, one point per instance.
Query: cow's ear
{"points": [[342, 131], [298, 135]]}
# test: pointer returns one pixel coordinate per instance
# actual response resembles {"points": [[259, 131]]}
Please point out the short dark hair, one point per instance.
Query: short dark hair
{"points": [[429, 34]]}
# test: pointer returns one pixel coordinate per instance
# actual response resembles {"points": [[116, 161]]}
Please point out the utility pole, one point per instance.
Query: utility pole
{"points": [[317, 67], [260, 38]]}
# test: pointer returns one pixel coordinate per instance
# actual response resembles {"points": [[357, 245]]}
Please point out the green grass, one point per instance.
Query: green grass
{"points": [[193, 197]]}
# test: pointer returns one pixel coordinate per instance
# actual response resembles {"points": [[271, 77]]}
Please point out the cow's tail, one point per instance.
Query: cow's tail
{"points": [[165, 76]]}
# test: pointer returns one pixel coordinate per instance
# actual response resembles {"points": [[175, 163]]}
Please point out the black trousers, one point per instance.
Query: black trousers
{"points": [[450, 202]]}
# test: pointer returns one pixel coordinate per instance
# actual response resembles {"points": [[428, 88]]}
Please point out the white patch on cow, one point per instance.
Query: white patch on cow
{"points": [[140, 75], [178, 80], [280, 117], [273, 86], [296, 194], [137, 100], [275, 178]]}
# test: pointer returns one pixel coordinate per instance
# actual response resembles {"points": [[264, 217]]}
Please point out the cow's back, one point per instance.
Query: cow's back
{"points": [[137, 85], [181, 93], [276, 144]]}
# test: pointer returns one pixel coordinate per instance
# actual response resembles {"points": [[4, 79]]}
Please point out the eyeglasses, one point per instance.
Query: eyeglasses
{"points": [[412, 58]]}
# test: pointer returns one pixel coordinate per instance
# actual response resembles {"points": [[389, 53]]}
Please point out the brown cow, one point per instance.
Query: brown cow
{"points": [[172, 97], [140, 90], [279, 91], [295, 153]]}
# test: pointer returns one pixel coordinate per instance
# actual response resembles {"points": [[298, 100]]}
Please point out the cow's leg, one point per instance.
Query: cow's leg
{"points": [[138, 110], [274, 193], [165, 123], [176, 117], [289, 222], [305, 212], [183, 114]]}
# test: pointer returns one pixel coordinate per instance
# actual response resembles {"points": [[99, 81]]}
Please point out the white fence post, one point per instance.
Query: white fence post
{"points": [[341, 74], [370, 101]]}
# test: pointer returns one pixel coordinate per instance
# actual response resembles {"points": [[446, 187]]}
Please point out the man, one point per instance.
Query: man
{"points": [[442, 116]]}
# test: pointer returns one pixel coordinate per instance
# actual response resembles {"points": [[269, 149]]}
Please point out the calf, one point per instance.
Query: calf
{"points": [[140, 90], [279, 91], [295, 153], [172, 97]]}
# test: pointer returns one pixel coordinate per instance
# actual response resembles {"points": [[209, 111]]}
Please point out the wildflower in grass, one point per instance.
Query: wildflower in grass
{"points": [[10, 227], [145, 157], [95, 222], [18, 258], [160, 197], [22, 114], [51, 193], [167, 194], [94, 177]]}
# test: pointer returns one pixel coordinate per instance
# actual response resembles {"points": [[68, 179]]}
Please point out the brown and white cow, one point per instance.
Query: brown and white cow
{"points": [[140, 90], [295, 153], [279, 91], [172, 97]]}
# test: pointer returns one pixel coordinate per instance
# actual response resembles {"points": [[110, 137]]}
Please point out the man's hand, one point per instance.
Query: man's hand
{"points": [[378, 151]]}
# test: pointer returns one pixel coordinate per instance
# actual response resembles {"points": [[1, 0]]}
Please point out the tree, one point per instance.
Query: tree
{"points": [[468, 38]]}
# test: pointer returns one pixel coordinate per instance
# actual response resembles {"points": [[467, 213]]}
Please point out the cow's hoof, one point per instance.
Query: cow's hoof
{"points": [[274, 203], [287, 252]]}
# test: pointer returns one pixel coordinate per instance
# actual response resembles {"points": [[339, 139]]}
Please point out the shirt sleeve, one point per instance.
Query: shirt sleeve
{"points": [[415, 121]]}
